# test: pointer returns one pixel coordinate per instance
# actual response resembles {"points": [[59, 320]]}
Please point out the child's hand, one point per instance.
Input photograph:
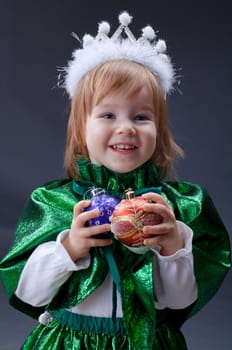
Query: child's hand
{"points": [[80, 238], [166, 234]]}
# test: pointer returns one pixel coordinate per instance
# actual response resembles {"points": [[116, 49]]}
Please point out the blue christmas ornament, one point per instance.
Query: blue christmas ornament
{"points": [[103, 202]]}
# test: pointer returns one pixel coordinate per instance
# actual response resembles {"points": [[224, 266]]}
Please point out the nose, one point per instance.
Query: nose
{"points": [[126, 127]]}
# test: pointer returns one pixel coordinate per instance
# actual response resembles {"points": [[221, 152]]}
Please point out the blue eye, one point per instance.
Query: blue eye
{"points": [[108, 116], [141, 117]]}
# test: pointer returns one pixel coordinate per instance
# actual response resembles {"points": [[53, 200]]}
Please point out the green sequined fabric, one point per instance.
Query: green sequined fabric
{"points": [[56, 336], [49, 211]]}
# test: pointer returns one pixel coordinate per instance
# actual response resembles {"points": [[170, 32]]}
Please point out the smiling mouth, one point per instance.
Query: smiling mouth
{"points": [[123, 147]]}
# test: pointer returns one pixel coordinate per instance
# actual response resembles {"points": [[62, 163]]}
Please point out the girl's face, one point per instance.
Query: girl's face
{"points": [[121, 131]]}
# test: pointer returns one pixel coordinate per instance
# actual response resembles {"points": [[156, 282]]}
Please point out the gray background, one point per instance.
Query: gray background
{"points": [[35, 39]]}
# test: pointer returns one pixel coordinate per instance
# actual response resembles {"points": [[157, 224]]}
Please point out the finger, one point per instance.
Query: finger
{"points": [[158, 230], [164, 210], [78, 208], [155, 197], [96, 242], [83, 218], [153, 241], [98, 229]]}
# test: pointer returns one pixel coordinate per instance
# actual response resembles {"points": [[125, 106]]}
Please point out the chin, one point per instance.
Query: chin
{"points": [[124, 169]]}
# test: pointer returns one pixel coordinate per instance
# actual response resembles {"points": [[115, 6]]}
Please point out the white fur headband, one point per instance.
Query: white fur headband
{"points": [[145, 50]]}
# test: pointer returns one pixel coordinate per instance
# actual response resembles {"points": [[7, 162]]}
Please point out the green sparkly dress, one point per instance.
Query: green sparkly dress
{"points": [[49, 211]]}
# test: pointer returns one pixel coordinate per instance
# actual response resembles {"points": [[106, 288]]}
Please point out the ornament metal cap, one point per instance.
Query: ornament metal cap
{"points": [[130, 194]]}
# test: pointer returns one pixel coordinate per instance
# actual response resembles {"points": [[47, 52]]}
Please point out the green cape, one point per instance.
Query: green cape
{"points": [[49, 211]]}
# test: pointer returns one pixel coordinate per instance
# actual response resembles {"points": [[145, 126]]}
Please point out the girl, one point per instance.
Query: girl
{"points": [[94, 293]]}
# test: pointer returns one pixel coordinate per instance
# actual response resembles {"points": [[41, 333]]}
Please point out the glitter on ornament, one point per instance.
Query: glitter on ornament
{"points": [[105, 203], [129, 218]]}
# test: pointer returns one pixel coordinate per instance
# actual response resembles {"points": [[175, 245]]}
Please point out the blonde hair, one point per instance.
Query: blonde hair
{"points": [[106, 80]]}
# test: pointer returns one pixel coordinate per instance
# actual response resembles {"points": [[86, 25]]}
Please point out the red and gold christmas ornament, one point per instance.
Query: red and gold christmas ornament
{"points": [[129, 218]]}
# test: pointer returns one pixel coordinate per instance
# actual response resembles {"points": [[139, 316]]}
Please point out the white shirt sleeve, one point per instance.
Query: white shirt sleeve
{"points": [[174, 279], [47, 269], [50, 266]]}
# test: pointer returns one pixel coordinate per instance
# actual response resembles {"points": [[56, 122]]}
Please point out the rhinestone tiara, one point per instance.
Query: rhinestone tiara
{"points": [[145, 50]]}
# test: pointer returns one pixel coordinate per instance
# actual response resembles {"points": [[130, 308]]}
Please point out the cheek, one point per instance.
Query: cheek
{"points": [[152, 135], [88, 134], [153, 146], [152, 140]]}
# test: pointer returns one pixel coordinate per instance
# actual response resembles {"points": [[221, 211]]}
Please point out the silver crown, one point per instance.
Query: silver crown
{"points": [[145, 50]]}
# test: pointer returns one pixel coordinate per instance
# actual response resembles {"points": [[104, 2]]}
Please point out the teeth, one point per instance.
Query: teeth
{"points": [[123, 147]]}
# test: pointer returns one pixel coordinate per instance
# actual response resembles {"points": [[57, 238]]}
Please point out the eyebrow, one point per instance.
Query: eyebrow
{"points": [[113, 105], [107, 105]]}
